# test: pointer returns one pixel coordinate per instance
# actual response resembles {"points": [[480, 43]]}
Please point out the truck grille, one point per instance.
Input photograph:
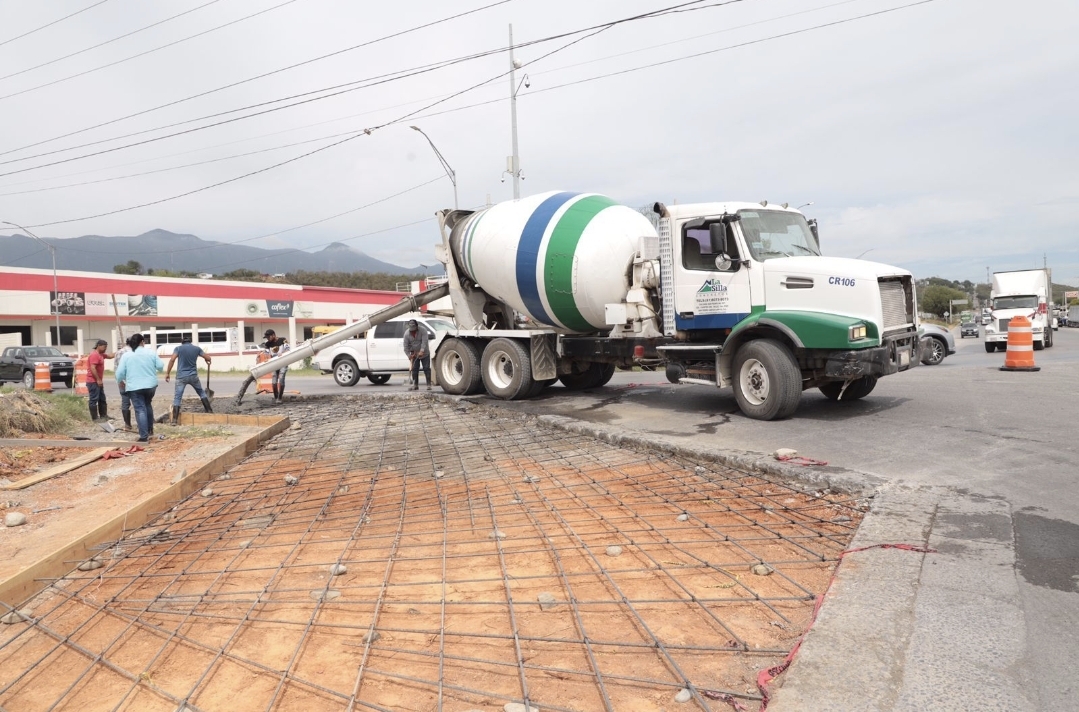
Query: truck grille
{"points": [[897, 302], [1003, 324]]}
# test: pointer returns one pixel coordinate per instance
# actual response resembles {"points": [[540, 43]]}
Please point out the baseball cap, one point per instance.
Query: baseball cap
{"points": [[269, 332]]}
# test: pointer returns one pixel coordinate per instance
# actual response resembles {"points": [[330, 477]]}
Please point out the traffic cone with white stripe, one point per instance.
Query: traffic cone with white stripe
{"points": [[1020, 355]]}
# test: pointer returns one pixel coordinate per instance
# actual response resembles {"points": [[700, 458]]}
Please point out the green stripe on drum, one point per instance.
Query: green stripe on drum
{"points": [[558, 261]]}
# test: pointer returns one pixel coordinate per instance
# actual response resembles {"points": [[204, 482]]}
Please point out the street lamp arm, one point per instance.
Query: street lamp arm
{"points": [[452, 174]]}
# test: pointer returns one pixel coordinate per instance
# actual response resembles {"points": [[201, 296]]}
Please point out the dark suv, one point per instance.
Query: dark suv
{"points": [[17, 364], [969, 328]]}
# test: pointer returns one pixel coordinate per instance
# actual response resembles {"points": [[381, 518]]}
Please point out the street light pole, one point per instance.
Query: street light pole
{"points": [[55, 289], [445, 164], [515, 160]]}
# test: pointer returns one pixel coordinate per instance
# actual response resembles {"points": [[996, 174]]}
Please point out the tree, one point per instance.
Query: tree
{"points": [[132, 267], [935, 299]]}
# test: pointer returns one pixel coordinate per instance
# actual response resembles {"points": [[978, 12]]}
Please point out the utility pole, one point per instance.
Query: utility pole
{"points": [[515, 161]]}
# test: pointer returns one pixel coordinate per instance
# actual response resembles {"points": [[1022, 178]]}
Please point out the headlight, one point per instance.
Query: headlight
{"points": [[857, 332]]}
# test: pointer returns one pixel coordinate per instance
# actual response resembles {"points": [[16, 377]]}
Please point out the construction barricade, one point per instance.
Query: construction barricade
{"points": [[42, 377], [1020, 354], [82, 367]]}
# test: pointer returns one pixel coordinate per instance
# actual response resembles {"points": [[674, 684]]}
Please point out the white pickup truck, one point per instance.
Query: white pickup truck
{"points": [[379, 352]]}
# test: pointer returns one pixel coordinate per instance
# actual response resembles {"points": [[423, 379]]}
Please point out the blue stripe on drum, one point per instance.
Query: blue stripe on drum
{"points": [[528, 254]]}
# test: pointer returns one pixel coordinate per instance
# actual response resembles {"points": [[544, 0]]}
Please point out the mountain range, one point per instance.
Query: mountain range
{"points": [[161, 249]]}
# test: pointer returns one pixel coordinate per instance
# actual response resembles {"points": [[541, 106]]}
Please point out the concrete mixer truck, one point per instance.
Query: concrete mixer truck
{"points": [[569, 286]]}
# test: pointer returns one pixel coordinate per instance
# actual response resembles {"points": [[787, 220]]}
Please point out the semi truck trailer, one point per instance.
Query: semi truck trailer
{"points": [[566, 287], [1020, 293]]}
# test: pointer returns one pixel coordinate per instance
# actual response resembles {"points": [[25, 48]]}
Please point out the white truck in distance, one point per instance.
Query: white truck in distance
{"points": [[1020, 293], [568, 287], [377, 353]]}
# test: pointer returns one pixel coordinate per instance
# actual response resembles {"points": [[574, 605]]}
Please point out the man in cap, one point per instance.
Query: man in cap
{"points": [[417, 350], [187, 374], [95, 380], [276, 346]]}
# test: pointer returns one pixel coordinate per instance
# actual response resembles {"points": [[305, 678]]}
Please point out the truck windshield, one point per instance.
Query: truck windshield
{"points": [[771, 233], [1015, 303]]}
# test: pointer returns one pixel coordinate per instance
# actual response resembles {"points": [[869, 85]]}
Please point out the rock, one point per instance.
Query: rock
{"points": [[343, 489], [762, 569], [291, 479], [683, 696], [257, 522], [338, 569], [372, 637], [225, 476], [19, 616], [683, 517], [14, 519], [329, 595], [516, 500], [784, 452], [90, 565], [614, 550], [178, 476], [295, 426], [439, 474], [101, 479], [245, 543], [547, 601], [496, 535], [518, 707], [699, 470], [271, 447], [208, 492]]}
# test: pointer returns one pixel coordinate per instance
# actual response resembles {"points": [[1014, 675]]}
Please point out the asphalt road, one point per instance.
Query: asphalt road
{"points": [[963, 424]]}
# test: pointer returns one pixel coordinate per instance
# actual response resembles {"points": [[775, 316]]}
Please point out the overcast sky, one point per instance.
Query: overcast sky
{"points": [[941, 137]]}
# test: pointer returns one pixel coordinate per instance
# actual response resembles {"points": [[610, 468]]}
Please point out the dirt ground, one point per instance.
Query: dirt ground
{"points": [[67, 506]]}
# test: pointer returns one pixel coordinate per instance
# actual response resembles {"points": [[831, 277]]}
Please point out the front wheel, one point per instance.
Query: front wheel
{"points": [[28, 380], [597, 374], [767, 380], [378, 379], [458, 367], [69, 383], [1048, 338], [346, 373], [507, 369], [990, 347], [855, 391], [933, 351]]}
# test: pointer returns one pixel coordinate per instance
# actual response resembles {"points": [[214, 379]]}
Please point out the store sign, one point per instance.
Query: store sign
{"points": [[90, 304], [68, 302], [141, 305], [278, 308]]}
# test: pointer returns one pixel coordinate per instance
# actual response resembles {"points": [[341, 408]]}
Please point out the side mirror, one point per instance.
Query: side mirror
{"points": [[723, 262], [813, 229], [717, 234]]}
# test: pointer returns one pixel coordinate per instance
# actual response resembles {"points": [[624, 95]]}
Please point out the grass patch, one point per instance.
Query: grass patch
{"points": [[23, 411], [210, 432]]}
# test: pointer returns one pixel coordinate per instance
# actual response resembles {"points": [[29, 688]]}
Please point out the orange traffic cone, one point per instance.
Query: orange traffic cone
{"points": [[42, 377], [82, 367], [1020, 355], [265, 382]]}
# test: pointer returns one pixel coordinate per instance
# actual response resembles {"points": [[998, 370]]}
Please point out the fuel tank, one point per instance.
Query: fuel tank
{"points": [[557, 257]]}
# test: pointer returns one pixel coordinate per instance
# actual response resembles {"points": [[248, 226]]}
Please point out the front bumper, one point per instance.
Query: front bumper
{"points": [[895, 354]]}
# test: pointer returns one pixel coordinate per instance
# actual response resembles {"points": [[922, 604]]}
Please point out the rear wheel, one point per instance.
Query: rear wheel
{"points": [[69, 383], [345, 372], [767, 380], [1049, 338], [855, 391], [378, 379], [28, 379], [458, 367], [990, 347], [596, 375], [507, 369]]}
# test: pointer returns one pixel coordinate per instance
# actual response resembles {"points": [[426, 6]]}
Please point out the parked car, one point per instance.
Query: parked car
{"points": [[378, 353], [936, 344], [969, 328], [17, 364]]}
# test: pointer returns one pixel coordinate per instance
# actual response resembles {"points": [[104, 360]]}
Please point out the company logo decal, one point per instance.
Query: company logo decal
{"points": [[712, 298], [841, 281]]}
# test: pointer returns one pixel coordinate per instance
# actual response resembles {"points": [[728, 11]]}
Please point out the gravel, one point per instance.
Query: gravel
{"points": [[14, 519]]}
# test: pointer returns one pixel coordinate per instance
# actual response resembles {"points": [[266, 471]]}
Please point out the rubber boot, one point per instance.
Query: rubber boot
{"points": [[127, 419], [206, 405], [101, 412], [93, 412], [175, 415]]}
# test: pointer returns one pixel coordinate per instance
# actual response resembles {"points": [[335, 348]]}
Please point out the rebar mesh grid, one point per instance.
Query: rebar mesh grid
{"points": [[474, 569]]}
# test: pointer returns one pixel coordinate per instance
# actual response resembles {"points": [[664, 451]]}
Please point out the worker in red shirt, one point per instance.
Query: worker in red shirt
{"points": [[95, 380]]}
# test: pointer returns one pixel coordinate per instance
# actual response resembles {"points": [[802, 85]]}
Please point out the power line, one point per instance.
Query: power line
{"points": [[54, 22], [251, 79], [102, 44], [364, 83]]}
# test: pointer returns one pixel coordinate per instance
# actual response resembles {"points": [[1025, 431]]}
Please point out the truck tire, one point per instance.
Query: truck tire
{"points": [[378, 379], [675, 371], [346, 373], [457, 366], [507, 369], [597, 374], [28, 380], [766, 379], [1039, 345], [1049, 338], [990, 347], [855, 391]]}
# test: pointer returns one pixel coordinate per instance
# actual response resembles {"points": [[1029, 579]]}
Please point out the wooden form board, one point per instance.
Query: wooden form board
{"points": [[60, 469], [35, 442], [34, 578]]}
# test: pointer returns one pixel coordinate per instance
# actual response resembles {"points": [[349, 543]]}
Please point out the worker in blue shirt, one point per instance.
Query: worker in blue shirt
{"points": [[187, 374], [137, 375]]}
